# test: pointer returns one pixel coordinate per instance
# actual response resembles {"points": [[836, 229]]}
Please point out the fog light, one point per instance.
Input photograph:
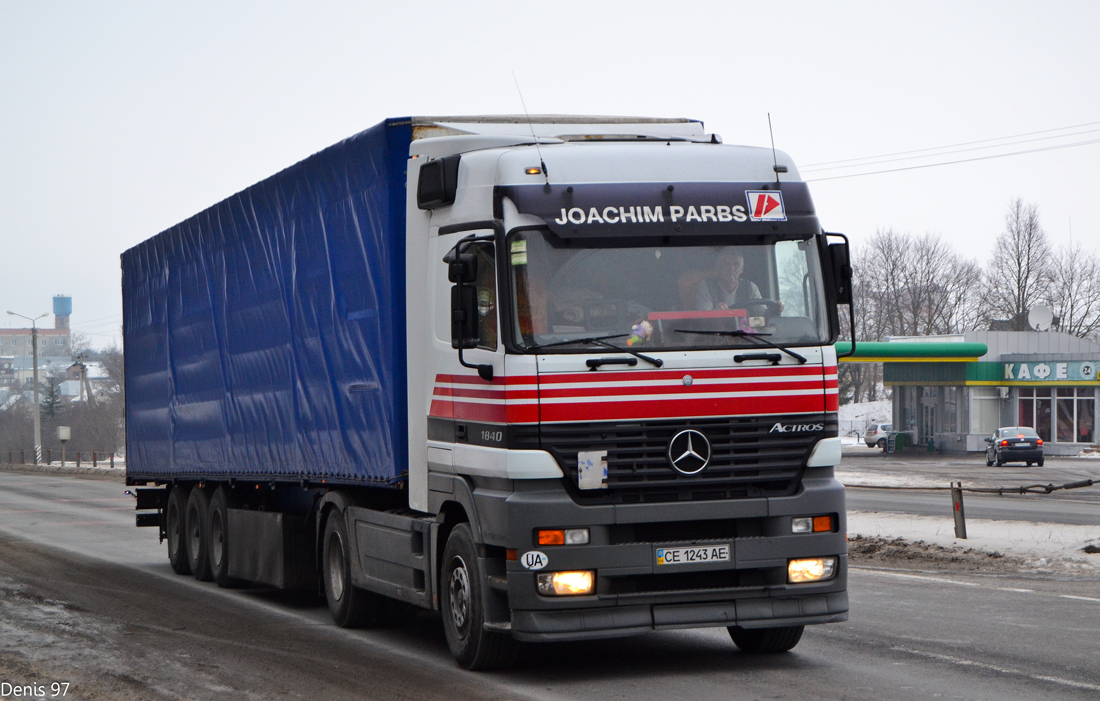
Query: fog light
{"points": [[802, 525], [567, 583], [812, 569], [576, 536]]}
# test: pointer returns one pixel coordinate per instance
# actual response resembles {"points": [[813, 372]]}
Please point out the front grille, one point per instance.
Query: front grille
{"points": [[712, 580], [688, 531], [748, 459]]}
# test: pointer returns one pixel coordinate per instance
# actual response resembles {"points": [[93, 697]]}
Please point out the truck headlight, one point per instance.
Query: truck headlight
{"points": [[567, 583], [811, 569]]}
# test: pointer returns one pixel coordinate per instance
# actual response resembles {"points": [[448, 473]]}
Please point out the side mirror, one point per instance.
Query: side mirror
{"points": [[464, 317], [842, 272], [438, 183], [988, 440], [461, 267]]}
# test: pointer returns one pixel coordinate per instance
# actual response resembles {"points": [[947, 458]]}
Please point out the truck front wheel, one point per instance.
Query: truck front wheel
{"points": [[350, 606], [460, 586], [198, 534], [177, 530], [766, 639]]}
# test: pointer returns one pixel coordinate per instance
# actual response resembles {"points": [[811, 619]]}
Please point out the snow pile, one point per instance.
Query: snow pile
{"points": [[854, 418], [1042, 546]]}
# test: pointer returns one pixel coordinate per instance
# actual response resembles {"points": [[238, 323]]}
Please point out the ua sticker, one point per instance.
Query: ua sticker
{"points": [[534, 560], [766, 205]]}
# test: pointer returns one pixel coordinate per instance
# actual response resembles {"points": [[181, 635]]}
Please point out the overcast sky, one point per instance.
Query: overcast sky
{"points": [[120, 119]]}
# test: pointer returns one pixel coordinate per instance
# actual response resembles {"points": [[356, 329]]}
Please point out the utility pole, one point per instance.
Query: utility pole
{"points": [[37, 406]]}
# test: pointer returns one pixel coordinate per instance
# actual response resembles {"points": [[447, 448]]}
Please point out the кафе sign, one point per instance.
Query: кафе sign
{"points": [[1052, 371]]}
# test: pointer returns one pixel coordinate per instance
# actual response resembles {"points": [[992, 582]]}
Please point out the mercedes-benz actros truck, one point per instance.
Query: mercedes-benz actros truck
{"points": [[556, 378]]}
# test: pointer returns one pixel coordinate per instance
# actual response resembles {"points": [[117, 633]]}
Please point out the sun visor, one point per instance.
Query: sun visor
{"points": [[603, 210]]}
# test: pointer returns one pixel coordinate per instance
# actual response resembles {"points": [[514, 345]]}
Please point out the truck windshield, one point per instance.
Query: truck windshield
{"points": [[674, 297]]}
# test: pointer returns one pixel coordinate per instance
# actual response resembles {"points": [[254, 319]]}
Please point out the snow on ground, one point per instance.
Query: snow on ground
{"points": [[1052, 543], [1042, 546], [855, 417]]}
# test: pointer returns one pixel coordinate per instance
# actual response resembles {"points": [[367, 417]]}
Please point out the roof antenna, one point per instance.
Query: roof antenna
{"points": [[776, 167], [531, 124]]}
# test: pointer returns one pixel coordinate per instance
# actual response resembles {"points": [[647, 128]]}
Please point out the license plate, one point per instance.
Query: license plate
{"points": [[688, 556], [1023, 445]]}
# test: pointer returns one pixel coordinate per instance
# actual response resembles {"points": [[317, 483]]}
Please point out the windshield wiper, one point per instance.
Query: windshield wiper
{"points": [[745, 334], [601, 341]]}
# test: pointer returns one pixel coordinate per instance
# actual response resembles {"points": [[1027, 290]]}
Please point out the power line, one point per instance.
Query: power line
{"points": [[962, 150], [964, 143], [961, 160]]}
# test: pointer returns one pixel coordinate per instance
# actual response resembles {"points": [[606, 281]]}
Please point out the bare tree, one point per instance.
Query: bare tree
{"points": [[80, 345], [1074, 294], [915, 286], [1019, 273]]}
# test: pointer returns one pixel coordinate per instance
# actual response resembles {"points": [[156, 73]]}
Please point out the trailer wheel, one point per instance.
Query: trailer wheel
{"points": [[198, 536], [350, 606], [177, 531], [460, 586], [766, 639], [219, 538]]}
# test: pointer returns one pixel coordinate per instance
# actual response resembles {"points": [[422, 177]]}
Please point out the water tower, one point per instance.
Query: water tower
{"points": [[62, 309]]}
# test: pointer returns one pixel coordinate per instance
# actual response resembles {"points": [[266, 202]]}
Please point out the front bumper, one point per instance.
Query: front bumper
{"points": [[634, 594]]}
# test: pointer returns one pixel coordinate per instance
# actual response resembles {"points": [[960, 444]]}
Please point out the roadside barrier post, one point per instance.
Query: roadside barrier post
{"points": [[957, 509]]}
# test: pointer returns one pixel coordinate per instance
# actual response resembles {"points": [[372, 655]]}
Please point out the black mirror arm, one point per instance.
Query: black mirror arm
{"points": [[484, 371], [852, 303]]}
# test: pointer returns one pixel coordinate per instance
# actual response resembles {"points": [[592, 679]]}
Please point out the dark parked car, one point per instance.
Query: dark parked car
{"points": [[1014, 444]]}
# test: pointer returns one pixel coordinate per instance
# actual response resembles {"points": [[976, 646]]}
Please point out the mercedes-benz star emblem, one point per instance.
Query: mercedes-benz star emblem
{"points": [[688, 452]]}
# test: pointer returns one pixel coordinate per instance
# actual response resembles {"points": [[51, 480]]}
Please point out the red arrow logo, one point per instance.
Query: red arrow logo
{"points": [[765, 204]]}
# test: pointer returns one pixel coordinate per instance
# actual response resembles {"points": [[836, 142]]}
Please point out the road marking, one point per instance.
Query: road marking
{"points": [[922, 577], [962, 662], [1079, 598], [944, 580]]}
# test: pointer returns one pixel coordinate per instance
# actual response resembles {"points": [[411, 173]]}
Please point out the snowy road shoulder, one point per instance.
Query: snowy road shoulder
{"points": [[1038, 546]]}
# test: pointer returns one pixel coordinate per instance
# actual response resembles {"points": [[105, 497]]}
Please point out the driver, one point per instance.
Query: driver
{"points": [[726, 289]]}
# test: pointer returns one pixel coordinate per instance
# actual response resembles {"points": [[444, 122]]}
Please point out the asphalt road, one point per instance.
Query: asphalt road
{"points": [[88, 599], [1044, 509], [1079, 506]]}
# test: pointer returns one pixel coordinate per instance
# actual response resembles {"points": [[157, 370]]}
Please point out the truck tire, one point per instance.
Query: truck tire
{"points": [[174, 524], [460, 587], [350, 606], [218, 528], [766, 640], [198, 536]]}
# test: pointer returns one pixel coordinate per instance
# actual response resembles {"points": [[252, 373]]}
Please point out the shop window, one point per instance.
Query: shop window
{"points": [[1027, 412], [1043, 411], [1086, 415], [1066, 424], [950, 409]]}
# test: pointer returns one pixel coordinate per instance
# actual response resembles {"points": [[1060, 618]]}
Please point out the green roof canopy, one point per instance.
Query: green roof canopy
{"points": [[912, 352]]}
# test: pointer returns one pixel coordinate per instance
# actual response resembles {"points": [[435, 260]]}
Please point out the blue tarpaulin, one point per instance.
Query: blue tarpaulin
{"points": [[265, 336]]}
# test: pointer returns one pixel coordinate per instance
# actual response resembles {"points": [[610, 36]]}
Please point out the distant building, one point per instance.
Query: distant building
{"points": [[1046, 380], [54, 346]]}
